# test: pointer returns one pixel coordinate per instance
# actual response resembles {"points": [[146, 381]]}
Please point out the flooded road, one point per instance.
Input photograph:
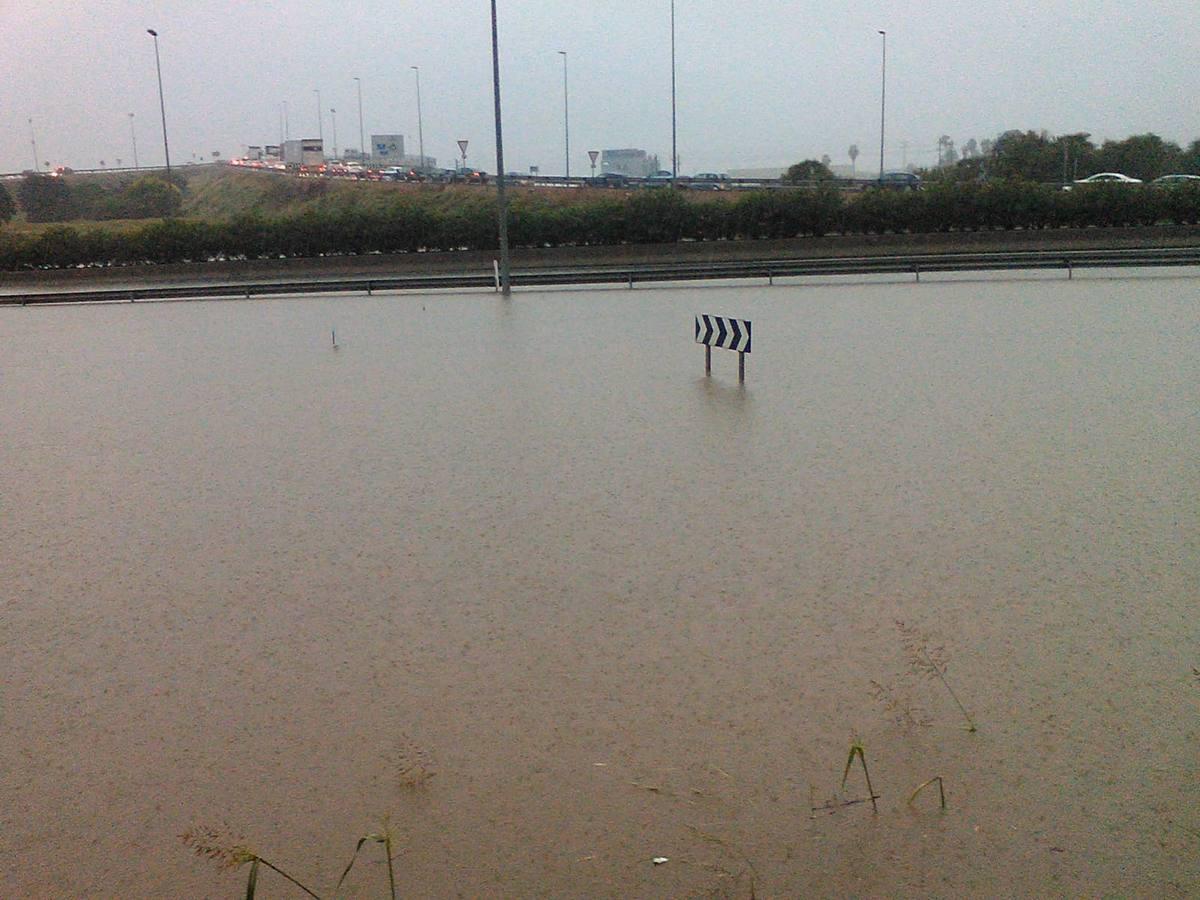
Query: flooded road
{"points": [[520, 577]]}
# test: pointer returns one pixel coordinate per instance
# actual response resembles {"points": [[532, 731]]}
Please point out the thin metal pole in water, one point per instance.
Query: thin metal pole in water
{"points": [[741, 366], [333, 337], [501, 200], [707, 360]]}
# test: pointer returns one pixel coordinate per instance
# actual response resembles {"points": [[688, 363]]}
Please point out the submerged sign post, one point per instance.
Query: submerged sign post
{"points": [[729, 334]]}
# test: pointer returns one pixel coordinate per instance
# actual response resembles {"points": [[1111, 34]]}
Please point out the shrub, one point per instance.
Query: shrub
{"points": [[46, 199], [8, 206]]}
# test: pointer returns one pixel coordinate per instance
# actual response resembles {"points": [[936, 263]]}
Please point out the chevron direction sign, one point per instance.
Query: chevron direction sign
{"points": [[726, 333], [718, 331]]}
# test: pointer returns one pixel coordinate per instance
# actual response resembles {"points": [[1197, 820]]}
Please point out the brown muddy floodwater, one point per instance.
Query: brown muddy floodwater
{"points": [[622, 610]]}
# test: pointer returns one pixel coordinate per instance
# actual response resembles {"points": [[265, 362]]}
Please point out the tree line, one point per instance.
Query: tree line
{"points": [[1040, 156], [418, 222]]}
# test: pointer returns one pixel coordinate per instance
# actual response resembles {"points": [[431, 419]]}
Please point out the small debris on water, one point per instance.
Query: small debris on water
{"points": [[659, 860]]}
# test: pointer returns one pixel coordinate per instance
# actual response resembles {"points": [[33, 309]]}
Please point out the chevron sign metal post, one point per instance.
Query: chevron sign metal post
{"points": [[729, 334]]}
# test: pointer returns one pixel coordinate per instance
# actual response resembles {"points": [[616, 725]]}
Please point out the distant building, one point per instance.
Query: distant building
{"points": [[387, 150], [631, 162]]}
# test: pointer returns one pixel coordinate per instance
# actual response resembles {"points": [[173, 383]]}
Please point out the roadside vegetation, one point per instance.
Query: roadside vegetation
{"points": [[1014, 182]]}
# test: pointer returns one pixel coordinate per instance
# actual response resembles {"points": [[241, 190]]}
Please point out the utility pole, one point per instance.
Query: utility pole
{"points": [[420, 124], [882, 103], [37, 167], [362, 143], [133, 138], [566, 115], [162, 106], [501, 203], [320, 122], [674, 146]]}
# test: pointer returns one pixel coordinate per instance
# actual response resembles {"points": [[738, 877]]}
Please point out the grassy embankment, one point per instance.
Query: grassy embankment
{"points": [[270, 222]]}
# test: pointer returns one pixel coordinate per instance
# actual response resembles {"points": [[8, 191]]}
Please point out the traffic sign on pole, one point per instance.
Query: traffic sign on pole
{"points": [[728, 334]]}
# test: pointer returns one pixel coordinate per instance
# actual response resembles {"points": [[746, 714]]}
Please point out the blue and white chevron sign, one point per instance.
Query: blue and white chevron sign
{"points": [[718, 331]]}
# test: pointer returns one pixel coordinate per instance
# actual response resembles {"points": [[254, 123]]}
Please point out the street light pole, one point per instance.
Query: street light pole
{"points": [[501, 204], [420, 125], [37, 167], [333, 116], [133, 138], [566, 114], [320, 122], [362, 144], [674, 146], [162, 106], [882, 103]]}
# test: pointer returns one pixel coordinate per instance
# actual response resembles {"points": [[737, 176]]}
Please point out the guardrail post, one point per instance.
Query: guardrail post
{"points": [[369, 291], [631, 280], [770, 277], [1070, 270], [917, 272]]}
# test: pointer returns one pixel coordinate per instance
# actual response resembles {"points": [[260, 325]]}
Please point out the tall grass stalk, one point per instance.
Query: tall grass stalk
{"points": [[382, 837], [230, 851], [856, 749], [921, 787], [931, 663]]}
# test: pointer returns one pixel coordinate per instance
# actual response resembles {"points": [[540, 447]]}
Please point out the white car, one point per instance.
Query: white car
{"points": [[1108, 177]]}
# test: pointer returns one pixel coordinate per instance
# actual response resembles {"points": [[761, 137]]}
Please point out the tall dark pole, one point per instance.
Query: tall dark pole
{"points": [[37, 166], [333, 118], [362, 143], [162, 106], [133, 138], [674, 146], [420, 124], [566, 114], [501, 204], [882, 103], [320, 123]]}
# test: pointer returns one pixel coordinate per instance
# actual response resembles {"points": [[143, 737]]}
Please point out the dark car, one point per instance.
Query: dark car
{"points": [[900, 181], [609, 179]]}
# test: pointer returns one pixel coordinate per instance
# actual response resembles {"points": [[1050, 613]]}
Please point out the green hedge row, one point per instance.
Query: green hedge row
{"points": [[652, 216]]}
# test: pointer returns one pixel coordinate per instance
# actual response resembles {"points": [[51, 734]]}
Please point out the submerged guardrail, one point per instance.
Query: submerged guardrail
{"points": [[915, 265]]}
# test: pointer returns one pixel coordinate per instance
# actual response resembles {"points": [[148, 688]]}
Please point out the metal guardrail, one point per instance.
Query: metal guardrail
{"points": [[914, 265]]}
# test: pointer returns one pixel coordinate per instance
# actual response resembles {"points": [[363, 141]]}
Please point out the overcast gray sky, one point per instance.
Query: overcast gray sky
{"points": [[759, 83]]}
